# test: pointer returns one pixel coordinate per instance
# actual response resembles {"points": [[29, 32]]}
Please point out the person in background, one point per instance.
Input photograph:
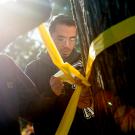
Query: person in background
{"points": [[18, 94], [64, 33]]}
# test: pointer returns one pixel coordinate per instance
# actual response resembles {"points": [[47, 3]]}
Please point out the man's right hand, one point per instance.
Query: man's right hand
{"points": [[57, 85]]}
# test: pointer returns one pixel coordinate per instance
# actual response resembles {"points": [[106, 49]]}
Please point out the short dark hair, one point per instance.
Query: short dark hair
{"points": [[61, 19]]}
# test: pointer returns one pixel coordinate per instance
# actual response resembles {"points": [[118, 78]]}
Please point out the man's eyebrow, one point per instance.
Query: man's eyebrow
{"points": [[61, 36], [73, 37]]}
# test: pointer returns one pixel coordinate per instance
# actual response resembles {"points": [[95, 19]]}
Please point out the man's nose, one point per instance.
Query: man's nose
{"points": [[67, 43]]}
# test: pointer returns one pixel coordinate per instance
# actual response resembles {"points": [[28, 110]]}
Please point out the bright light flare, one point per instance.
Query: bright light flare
{"points": [[4, 1]]}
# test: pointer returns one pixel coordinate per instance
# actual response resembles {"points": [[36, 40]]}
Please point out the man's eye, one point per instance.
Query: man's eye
{"points": [[61, 39], [72, 39]]}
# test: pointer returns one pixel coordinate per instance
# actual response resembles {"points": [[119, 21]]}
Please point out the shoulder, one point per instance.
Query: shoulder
{"points": [[4, 57], [6, 61], [33, 65], [37, 64], [8, 68]]}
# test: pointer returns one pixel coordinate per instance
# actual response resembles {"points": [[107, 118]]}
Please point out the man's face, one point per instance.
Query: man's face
{"points": [[64, 38]]}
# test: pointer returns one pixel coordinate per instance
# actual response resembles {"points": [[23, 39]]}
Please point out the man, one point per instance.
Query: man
{"points": [[63, 31], [18, 94]]}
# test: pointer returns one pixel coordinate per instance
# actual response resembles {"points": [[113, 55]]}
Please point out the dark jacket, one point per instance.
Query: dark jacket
{"points": [[18, 97], [40, 72]]}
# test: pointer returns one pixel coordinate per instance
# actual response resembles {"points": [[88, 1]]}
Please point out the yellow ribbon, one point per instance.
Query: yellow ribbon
{"points": [[109, 37]]}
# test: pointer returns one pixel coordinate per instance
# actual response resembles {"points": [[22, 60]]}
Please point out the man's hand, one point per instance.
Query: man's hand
{"points": [[85, 99], [56, 85]]}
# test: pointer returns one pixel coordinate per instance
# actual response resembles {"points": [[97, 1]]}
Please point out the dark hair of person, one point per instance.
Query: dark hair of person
{"points": [[61, 19]]}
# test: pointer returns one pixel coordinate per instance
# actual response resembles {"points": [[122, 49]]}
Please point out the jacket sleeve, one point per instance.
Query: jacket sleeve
{"points": [[40, 74]]}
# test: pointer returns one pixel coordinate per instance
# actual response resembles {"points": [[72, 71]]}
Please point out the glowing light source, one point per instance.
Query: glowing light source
{"points": [[4, 1], [109, 103]]}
